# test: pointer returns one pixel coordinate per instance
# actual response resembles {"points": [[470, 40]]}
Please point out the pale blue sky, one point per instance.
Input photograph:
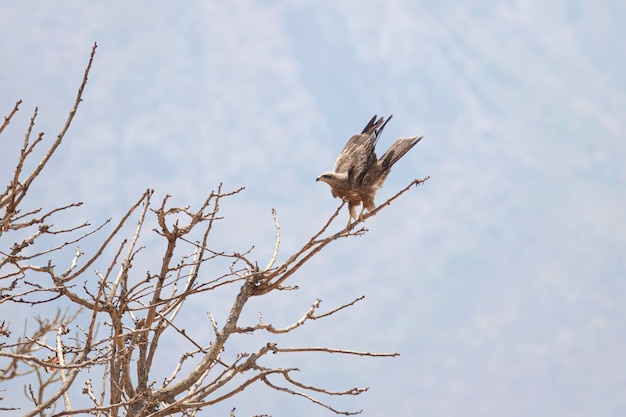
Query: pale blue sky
{"points": [[500, 281]]}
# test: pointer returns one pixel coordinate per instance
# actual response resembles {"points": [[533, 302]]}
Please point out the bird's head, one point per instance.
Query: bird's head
{"points": [[332, 177]]}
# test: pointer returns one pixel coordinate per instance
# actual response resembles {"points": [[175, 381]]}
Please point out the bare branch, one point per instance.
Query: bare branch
{"points": [[79, 98], [333, 350], [270, 264], [350, 304], [415, 182], [355, 391], [60, 357], [7, 119]]}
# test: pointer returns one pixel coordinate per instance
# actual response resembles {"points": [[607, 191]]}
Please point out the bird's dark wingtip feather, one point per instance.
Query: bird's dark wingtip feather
{"points": [[369, 124]]}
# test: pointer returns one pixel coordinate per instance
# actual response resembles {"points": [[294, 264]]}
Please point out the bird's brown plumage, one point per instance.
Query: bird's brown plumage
{"points": [[358, 173]]}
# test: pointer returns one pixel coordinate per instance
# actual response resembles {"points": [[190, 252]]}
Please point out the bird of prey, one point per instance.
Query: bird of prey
{"points": [[358, 173]]}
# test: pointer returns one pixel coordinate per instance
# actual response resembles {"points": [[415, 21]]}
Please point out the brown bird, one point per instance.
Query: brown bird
{"points": [[358, 173]]}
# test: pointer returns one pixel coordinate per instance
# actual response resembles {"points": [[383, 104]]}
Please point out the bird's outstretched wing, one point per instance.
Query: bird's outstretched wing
{"points": [[358, 153]]}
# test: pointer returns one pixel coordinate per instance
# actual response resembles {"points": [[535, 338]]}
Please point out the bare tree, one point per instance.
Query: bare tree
{"points": [[130, 313]]}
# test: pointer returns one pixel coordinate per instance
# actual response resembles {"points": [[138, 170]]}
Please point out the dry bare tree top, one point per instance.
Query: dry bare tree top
{"points": [[108, 354]]}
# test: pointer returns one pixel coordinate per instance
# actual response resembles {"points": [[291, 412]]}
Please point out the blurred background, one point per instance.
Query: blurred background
{"points": [[500, 281]]}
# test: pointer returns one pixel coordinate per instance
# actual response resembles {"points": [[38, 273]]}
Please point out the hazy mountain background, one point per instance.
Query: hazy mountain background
{"points": [[500, 280]]}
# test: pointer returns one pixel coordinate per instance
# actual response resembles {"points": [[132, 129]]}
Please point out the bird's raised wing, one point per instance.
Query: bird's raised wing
{"points": [[358, 153], [352, 153]]}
